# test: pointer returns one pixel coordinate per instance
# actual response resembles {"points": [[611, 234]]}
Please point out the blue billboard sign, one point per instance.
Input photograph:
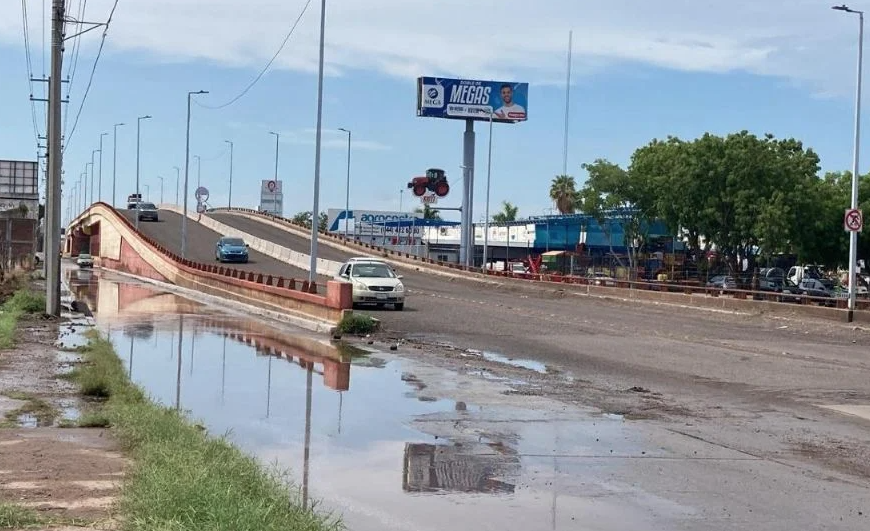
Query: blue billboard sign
{"points": [[464, 99]]}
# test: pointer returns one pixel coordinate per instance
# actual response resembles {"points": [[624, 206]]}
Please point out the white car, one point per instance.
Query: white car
{"points": [[85, 260], [374, 282]]}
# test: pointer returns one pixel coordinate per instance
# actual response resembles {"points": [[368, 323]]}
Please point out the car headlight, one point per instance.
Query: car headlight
{"points": [[400, 288], [359, 285]]}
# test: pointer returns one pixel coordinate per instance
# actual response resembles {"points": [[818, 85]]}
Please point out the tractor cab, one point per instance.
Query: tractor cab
{"points": [[435, 181]]}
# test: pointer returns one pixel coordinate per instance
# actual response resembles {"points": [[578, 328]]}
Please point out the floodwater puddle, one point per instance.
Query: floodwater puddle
{"points": [[495, 357], [387, 443]]}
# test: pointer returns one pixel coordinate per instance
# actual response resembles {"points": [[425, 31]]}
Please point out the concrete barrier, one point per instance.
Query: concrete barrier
{"points": [[124, 249]]}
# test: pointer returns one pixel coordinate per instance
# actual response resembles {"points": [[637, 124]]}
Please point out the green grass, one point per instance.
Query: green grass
{"points": [[44, 412], [21, 302], [16, 517], [357, 324], [182, 479]]}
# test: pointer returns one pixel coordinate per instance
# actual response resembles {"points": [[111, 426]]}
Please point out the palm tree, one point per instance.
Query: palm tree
{"points": [[508, 213], [428, 212], [563, 192]]}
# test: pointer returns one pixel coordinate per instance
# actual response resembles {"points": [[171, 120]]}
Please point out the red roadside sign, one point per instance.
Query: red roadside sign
{"points": [[853, 221]]}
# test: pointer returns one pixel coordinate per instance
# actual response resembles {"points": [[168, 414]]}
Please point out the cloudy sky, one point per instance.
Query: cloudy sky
{"points": [[641, 70]]}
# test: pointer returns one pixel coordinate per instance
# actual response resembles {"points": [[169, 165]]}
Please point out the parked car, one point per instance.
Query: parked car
{"points": [[601, 279], [812, 287], [85, 260], [230, 249], [374, 282], [722, 282], [147, 212]]}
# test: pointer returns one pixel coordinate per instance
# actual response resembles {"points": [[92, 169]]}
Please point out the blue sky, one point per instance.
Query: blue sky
{"points": [[640, 72]]}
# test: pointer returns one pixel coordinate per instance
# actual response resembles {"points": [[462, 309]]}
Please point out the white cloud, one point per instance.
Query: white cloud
{"points": [[801, 40]]}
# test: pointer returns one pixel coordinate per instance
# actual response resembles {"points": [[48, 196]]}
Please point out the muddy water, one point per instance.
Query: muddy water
{"points": [[394, 445]]}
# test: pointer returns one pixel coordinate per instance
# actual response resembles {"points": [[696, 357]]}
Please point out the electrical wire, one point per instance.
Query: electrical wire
{"points": [[265, 68], [91, 79], [27, 56], [70, 71]]}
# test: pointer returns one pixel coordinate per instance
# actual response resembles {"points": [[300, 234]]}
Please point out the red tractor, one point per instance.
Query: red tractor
{"points": [[434, 181]]}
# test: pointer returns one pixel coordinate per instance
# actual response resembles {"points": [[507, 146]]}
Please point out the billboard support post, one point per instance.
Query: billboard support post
{"points": [[466, 242]]}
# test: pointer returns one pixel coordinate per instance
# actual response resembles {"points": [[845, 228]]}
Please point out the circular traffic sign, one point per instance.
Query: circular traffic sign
{"points": [[854, 220], [201, 193]]}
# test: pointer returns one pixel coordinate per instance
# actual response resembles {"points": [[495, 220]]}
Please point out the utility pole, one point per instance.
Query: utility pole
{"points": [[230, 198], [55, 165], [93, 163], [315, 209], [186, 172], [85, 194], [347, 186], [198, 170], [100, 178], [115, 163]]}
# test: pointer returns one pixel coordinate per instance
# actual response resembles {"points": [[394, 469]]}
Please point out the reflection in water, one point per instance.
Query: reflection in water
{"points": [[224, 370], [458, 467], [268, 386], [178, 373], [307, 454], [130, 364]]}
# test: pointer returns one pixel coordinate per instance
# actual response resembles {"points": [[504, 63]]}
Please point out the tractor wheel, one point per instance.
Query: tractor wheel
{"points": [[419, 190], [442, 189]]}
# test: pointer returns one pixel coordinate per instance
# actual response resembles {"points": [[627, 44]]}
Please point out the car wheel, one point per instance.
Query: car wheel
{"points": [[399, 306]]}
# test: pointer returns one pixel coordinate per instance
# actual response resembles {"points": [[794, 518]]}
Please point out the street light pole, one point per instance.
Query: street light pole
{"points": [[186, 172], [161, 189], [94, 152], [488, 175], [115, 163], [230, 196], [100, 178], [177, 180], [138, 128], [347, 187], [198, 170], [853, 235], [85, 194], [277, 138], [147, 192], [315, 209]]}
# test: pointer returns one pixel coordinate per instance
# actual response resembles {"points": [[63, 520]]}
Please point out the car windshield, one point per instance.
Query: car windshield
{"points": [[234, 241], [147, 206], [372, 271], [85, 256]]}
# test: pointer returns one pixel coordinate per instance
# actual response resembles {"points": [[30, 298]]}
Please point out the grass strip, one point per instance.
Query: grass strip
{"points": [[23, 301], [181, 478], [16, 517]]}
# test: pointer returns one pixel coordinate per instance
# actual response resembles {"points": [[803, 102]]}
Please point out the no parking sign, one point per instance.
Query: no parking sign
{"points": [[853, 221]]}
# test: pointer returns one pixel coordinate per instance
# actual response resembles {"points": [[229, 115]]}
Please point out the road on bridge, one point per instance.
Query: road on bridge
{"points": [[746, 382], [201, 245]]}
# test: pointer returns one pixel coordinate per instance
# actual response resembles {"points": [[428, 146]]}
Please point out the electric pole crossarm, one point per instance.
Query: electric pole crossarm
{"points": [[94, 25]]}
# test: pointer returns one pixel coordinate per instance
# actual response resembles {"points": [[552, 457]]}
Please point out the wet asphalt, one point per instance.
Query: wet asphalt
{"points": [[405, 440]]}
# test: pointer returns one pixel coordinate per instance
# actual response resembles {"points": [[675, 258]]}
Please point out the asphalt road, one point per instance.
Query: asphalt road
{"points": [[201, 245], [748, 383]]}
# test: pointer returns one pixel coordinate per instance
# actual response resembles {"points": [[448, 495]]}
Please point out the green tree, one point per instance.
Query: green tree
{"points": [[748, 195], [563, 192], [508, 213], [304, 219], [615, 196], [428, 212]]}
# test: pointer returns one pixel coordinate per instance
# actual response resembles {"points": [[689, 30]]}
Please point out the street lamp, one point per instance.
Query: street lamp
{"points": [[147, 192], [186, 172], [115, 162], [138, 127], [853, 235], [100, 178], [277, 138], [94, 152], [488, 175], [347, 187], [161, 189], [230, 196], [198, 170], [177, 180], [315, 209], [85, 194]]}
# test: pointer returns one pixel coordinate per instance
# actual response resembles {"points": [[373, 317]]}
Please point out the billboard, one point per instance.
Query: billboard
{"points": [[272, 197], [463, 99], [19, 179]]}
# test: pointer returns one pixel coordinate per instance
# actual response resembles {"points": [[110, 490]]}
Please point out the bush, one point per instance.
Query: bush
{"points": [[25, 301], [357, 324]]}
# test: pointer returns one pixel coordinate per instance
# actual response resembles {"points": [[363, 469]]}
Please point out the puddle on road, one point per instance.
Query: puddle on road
{"points": [[495, 357], [374, 436]]}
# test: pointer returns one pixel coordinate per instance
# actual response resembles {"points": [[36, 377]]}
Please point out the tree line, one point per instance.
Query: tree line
{"points": [[752, 197]]}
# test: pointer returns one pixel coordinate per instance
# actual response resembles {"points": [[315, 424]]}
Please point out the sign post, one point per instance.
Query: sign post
{"points": [[471, 100], [853, 220]]}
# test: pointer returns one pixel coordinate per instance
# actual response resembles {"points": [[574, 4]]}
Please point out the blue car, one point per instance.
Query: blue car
{"points": [[231, 250]]}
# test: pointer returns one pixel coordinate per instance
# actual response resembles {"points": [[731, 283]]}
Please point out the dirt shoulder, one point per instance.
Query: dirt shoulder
{"points": [[64, 474]]}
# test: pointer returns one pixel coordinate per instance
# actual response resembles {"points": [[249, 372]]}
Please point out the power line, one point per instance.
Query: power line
{"points": [[91, 78], [26, 33], [71, 70], [265, 68]]}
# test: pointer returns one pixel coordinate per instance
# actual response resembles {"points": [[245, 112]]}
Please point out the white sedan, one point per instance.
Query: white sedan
{"points": [[374, 282]]}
